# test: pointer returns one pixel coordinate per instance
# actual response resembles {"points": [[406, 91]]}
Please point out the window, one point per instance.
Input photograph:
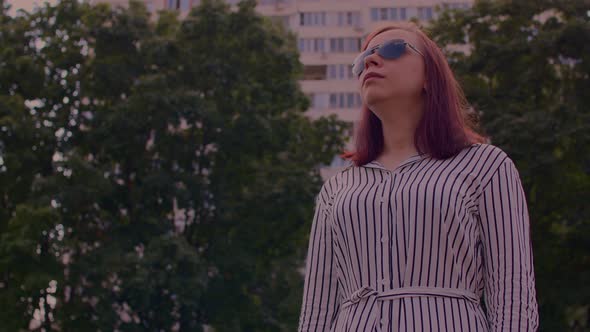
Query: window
{"points": [[312, 19], [333, 100], [331, 72], [150, 6], [318, 100], [375, 14], [345, 100], [393, 13], [351, 18], [314, 72], [456, 5], [402, 13], [341, 45], [388, 14], [311, 45], [318, 45], [349, 99], [340, 19], [425, 13], [340, 72], [185, 5], [334, 45]]}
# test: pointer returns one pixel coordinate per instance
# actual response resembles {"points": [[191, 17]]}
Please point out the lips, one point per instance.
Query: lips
{"points": [[372, 74]]}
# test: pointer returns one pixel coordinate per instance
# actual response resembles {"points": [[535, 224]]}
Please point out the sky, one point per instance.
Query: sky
{"points": [[27, 5]]}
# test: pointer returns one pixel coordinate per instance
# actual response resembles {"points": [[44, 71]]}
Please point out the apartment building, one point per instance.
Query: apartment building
{"points": [[330, 34]]}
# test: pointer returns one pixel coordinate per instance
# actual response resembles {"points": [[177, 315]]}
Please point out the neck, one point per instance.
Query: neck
{"points": [[399, 119]]}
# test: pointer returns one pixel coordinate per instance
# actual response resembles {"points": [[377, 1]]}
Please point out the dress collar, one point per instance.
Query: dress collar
{"points": [[409, 160]]}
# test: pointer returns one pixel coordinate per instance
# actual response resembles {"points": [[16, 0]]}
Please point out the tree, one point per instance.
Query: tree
{"points": [[173, 172], [527, 72]]}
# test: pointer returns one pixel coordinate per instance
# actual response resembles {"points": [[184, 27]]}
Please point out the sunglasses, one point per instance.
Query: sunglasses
{"points": [[392, 49]]}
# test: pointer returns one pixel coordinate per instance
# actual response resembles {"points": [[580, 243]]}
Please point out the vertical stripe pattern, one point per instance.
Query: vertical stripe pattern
{"points": [[432, 245]]}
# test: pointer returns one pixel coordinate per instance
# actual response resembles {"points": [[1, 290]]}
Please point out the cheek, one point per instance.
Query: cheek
{"points": [[409, 77], [405, 71], [418, 73]]}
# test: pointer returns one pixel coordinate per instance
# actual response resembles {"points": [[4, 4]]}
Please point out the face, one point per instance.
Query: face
{"points": [[404, 77]]}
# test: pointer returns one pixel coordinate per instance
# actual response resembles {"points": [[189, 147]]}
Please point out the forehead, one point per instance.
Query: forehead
{"points": [[395, 34]]}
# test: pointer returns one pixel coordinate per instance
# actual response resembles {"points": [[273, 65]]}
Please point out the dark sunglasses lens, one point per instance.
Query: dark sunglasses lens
{"points": [[392, 50]]}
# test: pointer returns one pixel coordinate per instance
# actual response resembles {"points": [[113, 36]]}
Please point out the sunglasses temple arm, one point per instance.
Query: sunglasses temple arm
{"points": [[415, 49]]}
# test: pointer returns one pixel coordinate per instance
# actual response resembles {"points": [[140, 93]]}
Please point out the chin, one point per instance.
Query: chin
{"points": [[374, 97]]}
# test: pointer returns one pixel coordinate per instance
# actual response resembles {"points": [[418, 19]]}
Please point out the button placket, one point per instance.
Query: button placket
{"points": [[384, 282], [384, 198], [385, 191]]}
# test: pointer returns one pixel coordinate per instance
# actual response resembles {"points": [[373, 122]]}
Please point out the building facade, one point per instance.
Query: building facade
{"points": [[330, 34]]}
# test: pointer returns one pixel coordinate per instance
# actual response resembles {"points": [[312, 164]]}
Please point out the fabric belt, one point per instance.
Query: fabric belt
{"points": [[409, 291], [371, 295]]}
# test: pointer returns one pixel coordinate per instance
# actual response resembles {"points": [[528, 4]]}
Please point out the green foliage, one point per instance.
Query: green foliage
{"points": [[155, 173], [527, 72]]}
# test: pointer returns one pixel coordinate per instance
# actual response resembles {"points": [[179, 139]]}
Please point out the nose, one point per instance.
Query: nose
{"points": [[373, 59]]}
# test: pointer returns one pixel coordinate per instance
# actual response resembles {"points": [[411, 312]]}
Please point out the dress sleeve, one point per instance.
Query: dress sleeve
{"points": [[509, 280], [321, 293]]}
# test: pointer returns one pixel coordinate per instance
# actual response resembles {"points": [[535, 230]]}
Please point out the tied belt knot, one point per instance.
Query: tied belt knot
{"points": [[361, 293], [372, 295]]}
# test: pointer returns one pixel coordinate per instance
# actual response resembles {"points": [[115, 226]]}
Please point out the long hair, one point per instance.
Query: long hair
{"points": [[448, 123]]}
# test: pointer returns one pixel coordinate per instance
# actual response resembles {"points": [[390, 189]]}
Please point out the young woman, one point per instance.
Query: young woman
{"points": [[428, 228]]}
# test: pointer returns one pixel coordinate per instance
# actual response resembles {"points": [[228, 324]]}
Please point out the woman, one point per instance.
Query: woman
{"points": [[428, 228]]}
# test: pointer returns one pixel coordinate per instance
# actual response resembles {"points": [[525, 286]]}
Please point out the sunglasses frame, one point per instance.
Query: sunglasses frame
{"points": [[358, 61]]}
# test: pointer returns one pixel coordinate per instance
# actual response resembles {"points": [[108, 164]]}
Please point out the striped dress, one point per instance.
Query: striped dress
{"points": [[433, 245]]}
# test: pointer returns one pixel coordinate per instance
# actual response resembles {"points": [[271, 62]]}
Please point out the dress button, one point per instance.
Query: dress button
{"points": [[385, 282], [384, 238]]}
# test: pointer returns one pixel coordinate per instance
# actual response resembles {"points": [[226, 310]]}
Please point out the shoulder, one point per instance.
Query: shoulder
{"points": [[328, 189], [334, 182], [493, 161], [475, 160], [492, 157]]}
